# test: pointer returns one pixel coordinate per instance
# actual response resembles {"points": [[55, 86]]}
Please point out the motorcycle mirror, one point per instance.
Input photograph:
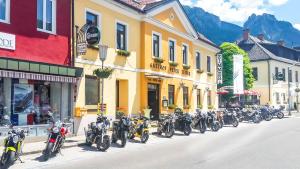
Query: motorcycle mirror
{"points": [[6, 117]]}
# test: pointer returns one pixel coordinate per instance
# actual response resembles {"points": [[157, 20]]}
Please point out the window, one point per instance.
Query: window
{"points": [[92, 18], [296, 77], [290, 76], [283, 74], [91, 90], [254, 73], [276, 72], [171, 90], [185, 96], [283, 97], [277, 97], [172, 50], [198, 61], [121, 36], [185, 54], [156, 45], [208, 64], [4, 10], [46, 15], [209, 101], [198, 97]]}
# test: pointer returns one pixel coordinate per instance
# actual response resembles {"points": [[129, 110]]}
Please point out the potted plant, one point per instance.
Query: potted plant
{"points": [[186, 67], [199, 106], [103, 73], [158, 60], [186, 107], [172, 106], [210, 107], [210, 74], [123, 53], [174, 64], [200, 71]]}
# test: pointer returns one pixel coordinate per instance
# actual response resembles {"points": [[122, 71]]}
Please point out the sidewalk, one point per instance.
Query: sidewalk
{"points": [[38, 147]]}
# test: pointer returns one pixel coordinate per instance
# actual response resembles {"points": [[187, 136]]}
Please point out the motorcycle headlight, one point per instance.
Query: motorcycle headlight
{"points": [[55, 129], [15, 139], [99, 125]]}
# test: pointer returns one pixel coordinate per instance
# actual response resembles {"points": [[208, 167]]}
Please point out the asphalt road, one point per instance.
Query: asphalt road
{"points": [[268, 145]]}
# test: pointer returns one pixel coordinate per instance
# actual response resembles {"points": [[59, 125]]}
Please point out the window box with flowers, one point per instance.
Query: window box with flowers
{"points": [[186, 107], [158, 60], [173, 64], [210, 107], [200, 71], [186, 67], [172, 106], [103, 73], [123, 53], [210, 74], [199, 106]]}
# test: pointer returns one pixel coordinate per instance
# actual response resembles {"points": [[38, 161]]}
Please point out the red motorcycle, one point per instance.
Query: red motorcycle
{"points": [[56, 138]]}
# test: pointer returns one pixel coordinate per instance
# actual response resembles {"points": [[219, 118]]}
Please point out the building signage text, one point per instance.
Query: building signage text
{"points": [[7, 41], [219, 69], [158, 66]]}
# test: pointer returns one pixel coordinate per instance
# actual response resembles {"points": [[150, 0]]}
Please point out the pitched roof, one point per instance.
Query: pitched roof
{"points": [[143, 5]]}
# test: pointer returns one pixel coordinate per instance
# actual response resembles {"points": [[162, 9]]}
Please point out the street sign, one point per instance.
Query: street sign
{"points": [[219, 69]]}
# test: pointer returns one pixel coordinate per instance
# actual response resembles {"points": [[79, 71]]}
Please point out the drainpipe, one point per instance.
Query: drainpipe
{"points": [[269, 80]]}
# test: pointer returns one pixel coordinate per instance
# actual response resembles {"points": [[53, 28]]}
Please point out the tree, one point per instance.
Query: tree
{"points": [[228, 50]]}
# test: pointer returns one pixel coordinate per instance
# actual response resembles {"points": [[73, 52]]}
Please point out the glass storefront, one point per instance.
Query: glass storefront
{"points": [[29, 102]]}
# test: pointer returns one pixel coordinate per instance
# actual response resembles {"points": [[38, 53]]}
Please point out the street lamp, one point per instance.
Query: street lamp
{"points": [[102, 57]]}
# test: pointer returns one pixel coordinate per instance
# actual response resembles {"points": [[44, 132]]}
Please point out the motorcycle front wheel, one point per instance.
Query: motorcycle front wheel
{"points": [[187, 130], [170, 133], [8, 159], [124, 139], [215, 126], [47, 151], [145, 137], [202, 128], [235, 122], [105, 144], [280, 115]]}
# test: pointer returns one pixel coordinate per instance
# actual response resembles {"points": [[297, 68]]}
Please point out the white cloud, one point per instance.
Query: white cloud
{"points": [[235, 10], [297, 26]]}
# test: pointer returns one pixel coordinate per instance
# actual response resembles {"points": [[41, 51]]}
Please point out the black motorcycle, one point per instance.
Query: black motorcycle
{"points": [[166, 125], [97, 133], [229, 118], [265, 113], [12, 147], [183, 122], [120, 130], [199, 121], [277, 112], [251, 115], [212, 122]]}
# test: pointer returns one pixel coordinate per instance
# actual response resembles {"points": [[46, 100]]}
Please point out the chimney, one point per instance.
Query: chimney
{"points": [[261, 37], [246, 33], [280, 43]]}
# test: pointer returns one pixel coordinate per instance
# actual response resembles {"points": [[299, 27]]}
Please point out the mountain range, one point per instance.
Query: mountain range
{"points": [[219, 31]]}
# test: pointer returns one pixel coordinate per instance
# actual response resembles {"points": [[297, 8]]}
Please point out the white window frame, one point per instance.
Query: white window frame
{"points": [[45, 18], [174, 40], [7, 13], [99, 19], [160, 44], [127, 33], [187, 53], [197, 51]]}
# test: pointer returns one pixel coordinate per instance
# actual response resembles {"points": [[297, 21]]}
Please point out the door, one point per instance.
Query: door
{"points": [[153, 100]]}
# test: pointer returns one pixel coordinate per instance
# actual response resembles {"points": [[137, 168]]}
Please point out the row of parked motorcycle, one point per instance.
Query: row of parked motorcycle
{"points": [[137, 127]]}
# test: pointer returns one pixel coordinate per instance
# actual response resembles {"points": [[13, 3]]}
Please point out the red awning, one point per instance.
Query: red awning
{"points": [[222, 92]]}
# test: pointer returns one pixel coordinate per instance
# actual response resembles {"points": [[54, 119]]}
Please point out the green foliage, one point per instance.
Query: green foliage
{"points": [[174, 64], [186, 67], [123, 53], [228, 50], [158, 60], [103, 73], [172, 106]]}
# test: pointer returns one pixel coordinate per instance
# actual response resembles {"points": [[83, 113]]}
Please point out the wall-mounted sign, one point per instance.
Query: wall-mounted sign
{"points": [[7, 41], [158, 66], [238, 74], [186, 72], [219, 69], [174, 70], [92, 35]]}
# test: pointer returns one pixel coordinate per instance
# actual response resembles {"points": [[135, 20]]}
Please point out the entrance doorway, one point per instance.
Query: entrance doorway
{"points": [[153, 100]]}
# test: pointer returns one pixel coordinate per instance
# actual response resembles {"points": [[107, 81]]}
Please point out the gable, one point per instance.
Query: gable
{"points": [[170, 18]]}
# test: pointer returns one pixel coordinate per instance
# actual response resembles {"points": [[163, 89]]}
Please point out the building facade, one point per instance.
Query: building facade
{"points": [[36, 75], [275, 68], [167, 63]]}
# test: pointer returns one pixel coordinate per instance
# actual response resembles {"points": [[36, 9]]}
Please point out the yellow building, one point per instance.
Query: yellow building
{"points": [[169, 61]]}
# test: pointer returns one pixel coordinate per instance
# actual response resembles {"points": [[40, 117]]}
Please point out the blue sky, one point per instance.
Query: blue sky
{"points": [[237, 11]]}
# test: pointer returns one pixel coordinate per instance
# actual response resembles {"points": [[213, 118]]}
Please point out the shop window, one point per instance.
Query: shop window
{"points": [[185, 96], [46, 15], [208, 64], [199, 97], [254, 73], [121, 36], [156, 45], [91, 90], [172, 50], [185, 54], [171, 91], [198, 61], [209, 99], [4, 11]]}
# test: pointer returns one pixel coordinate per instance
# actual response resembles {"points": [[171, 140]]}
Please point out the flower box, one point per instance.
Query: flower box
{"points": [[158, 60], [123, 53], [186, 67], [209, 74], [103, 73], [200, 71], [174, 64]]}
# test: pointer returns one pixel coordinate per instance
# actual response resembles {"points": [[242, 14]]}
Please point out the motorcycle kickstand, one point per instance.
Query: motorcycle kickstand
{"points": [[19, 158]]}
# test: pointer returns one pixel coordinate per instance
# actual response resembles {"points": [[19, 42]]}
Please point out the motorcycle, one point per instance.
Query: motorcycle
{"points": [[265, 113], [56, 138], [12, 147], [166, 125], [139, 128], [183, 122], [277, 112], [199, 121], [120, 130], [250, 116], [97, 133], [229, 118], [212, 122]]}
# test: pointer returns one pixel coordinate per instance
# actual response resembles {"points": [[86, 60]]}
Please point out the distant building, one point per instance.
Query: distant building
{"points": [[273, 65]]}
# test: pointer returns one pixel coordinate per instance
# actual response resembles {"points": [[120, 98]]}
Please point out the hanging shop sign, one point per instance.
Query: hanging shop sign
{"points": [[219, 69], [7, 41], [92, 35], [87, 35]]}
